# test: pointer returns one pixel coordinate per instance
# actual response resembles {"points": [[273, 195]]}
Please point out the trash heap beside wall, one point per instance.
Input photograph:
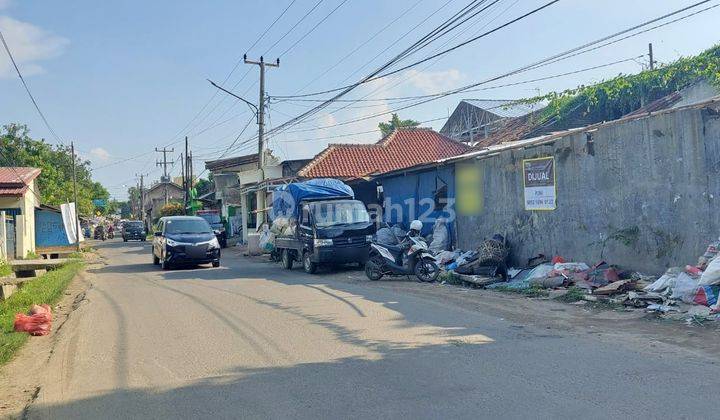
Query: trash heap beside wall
{"points": [[641, 192]]}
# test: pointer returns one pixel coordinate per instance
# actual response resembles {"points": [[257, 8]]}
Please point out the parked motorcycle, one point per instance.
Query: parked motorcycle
{"points": [[395, 260]]}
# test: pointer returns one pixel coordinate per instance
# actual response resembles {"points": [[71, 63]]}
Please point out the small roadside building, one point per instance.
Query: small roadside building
{"points": [[19, 196], [240, 185], [160, 194]]}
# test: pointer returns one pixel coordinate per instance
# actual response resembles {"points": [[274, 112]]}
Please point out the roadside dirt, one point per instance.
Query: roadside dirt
{"points": [[20, 377]]}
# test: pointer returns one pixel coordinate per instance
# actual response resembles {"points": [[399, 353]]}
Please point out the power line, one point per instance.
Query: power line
{"points": [[381, 88], [313, 28], [412, 48], [268, 28], [27, 89], [379, 76], [535, 65], [555, 76], [356, 49]]}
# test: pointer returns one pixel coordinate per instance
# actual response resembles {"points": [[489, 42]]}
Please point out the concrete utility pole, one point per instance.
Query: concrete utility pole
{"points": [[77, 212], [186, 181], [165, 180], [650, 54], [261, 105], [261, 199], [141, 198]]}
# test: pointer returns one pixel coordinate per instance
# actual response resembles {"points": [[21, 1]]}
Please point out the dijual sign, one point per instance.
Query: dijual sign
{"points": [[539, 183]]}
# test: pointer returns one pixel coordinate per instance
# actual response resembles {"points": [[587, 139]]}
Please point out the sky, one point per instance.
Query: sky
{"points": [[124, 77]]}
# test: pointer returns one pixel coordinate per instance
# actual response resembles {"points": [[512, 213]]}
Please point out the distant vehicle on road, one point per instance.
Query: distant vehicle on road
{"points": [[218, 227], [100, 233], [184, 240], [134, 229]]}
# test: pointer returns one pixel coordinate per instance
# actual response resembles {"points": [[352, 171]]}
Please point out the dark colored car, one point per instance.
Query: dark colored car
{"points": [[185, 240], [217, 225], [134, 230]]}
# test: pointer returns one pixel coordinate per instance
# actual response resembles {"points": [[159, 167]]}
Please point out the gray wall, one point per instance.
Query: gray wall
{"points": [[646, 200]]}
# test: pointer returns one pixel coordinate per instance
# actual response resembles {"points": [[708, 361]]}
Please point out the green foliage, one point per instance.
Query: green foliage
{"points": [[574, 294], [204, 186], [395, 122], [47, 288], [172, 209], [611, 99], [5, 269], [55, 181]]}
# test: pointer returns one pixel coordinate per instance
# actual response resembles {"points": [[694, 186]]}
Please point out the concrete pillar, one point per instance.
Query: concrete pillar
{"points": [[244, 216], [260, 216], [21, 246], [3, 238]]}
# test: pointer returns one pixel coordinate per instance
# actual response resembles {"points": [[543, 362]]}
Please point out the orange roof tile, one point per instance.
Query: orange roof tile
{"points": [[403, 148]]}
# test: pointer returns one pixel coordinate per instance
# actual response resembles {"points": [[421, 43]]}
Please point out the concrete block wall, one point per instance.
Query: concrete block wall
{"points": [[644, 195]]}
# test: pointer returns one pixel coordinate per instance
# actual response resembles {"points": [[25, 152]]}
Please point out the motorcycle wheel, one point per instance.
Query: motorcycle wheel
{"points": [[427, 271], [373, 269]]}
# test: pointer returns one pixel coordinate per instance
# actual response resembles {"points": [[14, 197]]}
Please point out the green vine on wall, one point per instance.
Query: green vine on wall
{"points": [[611, 99]]}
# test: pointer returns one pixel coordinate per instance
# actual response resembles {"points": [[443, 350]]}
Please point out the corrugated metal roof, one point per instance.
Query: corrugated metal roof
{"points": [[14, 180], [505, 108]]}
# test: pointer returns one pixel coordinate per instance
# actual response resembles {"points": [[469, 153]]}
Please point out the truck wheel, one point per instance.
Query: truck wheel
{"points": [[309, 266], [287, 259]]}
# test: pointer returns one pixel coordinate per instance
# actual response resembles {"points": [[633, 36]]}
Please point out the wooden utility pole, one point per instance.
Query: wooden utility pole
{"points": [[75, 199], [650, 55], [165, 180], [261, 105], [141, 197]]}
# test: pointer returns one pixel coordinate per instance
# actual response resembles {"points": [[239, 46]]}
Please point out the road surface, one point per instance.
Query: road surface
{"points": [[250, 340]]}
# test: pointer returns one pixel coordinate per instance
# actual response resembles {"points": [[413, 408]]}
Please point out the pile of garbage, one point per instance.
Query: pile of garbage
{"points": [[691, 292]]}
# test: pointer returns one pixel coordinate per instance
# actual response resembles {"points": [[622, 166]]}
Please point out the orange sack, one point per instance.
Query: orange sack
{"points": [[37, 322]]}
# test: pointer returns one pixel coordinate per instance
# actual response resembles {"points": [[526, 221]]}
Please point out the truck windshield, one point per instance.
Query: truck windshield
{"points": [[339, 213], [187, 226]]}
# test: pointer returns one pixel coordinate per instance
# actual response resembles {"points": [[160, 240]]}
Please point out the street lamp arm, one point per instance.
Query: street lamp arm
{"points": [[255, 109]]}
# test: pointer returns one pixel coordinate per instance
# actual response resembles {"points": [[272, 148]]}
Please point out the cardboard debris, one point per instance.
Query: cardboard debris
{"points": [[619, 286]]}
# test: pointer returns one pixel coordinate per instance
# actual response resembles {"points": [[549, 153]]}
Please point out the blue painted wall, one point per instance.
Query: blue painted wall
{"points": [[414, 194], [49, 229]]}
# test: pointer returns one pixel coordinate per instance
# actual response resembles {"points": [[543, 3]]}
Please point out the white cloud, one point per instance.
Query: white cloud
{"points": [[100, 154], [433, 81], [29, 45]]}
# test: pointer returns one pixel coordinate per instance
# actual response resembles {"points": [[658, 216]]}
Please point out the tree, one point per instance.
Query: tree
{"points": [[55, 161], [172, 209], [204, 186], [395, 122]]}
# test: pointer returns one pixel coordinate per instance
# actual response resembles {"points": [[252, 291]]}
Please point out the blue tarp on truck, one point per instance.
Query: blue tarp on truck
{"points": [[287, 197]]}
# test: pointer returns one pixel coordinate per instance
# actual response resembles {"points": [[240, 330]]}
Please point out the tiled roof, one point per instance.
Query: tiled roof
{"points": [[400, 149], [14, 180]]}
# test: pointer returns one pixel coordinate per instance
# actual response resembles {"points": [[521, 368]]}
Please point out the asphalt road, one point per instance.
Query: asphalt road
{"points": [[250, 340]]}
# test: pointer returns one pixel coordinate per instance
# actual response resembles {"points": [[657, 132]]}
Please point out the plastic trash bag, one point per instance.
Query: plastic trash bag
{"points": [[684, 288], [666, 281], [267, 239], [711, 275], [279, 225], [440, 237], [37, 322]]}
